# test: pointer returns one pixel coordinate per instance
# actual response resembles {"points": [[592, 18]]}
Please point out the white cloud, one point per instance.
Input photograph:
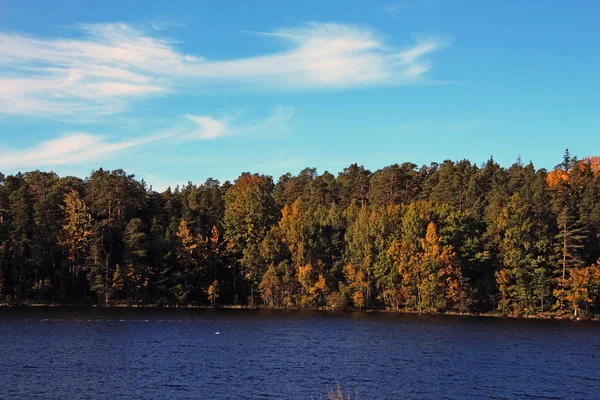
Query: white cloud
{"points": [[276, 124], [74, 148], [81, 147], [324, 55], [208, 127], [111, 65]]}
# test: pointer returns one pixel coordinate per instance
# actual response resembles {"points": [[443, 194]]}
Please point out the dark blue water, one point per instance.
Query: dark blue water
{"points": [[176, 354]]}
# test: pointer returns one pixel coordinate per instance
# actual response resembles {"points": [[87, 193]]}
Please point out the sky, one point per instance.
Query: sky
{"points": [[186, 90]]}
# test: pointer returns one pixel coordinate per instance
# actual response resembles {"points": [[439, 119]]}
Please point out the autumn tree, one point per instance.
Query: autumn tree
{"points": [[441, 237], [565, 195], [76, 234], [441, 284], [212, 292], [431, 278], [357, 286], [269, 287], [192, 252], [580, 289]]}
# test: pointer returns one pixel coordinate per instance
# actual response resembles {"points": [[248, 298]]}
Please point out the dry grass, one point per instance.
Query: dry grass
{"points": [[338, 394]]}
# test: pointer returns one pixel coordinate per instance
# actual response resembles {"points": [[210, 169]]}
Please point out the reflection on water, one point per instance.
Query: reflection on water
{"points": [[177, 354]]}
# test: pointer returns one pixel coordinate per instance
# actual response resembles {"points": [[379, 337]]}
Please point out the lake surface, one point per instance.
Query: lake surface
{"points": [[176, 354]]}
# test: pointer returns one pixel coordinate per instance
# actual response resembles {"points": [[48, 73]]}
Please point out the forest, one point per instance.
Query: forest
{"points": [[453, 237]]}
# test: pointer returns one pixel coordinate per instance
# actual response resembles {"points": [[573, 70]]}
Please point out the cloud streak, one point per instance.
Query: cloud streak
{"points": [[74, 148], [208, 128], [109, 66], [82, 147]]}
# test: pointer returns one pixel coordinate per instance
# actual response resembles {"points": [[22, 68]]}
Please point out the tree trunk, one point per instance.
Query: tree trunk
{"points": [[564, 247], [106, 281]]}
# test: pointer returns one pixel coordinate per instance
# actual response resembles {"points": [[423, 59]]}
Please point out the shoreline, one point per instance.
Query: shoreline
{"points": [[545, 316]]}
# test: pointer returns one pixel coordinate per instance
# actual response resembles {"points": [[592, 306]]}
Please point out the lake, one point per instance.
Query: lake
{"points": [[177, 354]]}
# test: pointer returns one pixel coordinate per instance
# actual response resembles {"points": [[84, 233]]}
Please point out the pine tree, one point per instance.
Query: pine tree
{"points": [[568, 242], [250, 211], [525, 251], [21, 235], [136, 259], [353, 183]]}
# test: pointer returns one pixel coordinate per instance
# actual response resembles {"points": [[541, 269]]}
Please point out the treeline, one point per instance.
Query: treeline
{"points": [[449, 237]]}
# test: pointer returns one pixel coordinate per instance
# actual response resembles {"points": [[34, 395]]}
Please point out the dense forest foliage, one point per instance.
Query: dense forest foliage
{"points": [[449, 237]]}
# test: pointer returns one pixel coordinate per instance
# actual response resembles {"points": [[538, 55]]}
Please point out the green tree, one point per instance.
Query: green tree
{"points": [[250, 211], [525, 251], [136, 259], [21, 234], [353, 184], [394, 184]]}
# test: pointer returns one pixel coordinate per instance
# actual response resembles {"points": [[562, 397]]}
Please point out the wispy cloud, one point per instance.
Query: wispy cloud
{"points": [[111, 65], [208, 127], [326, 55], [74, 148], [276, 124], [82, 147]]}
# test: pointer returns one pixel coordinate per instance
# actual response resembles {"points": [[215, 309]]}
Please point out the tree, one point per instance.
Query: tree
{"points": [[405, 257], [21, 236], [441, 285], [432, 280], [292, 229], [581, 288], [353, 184], [525, 251], [357, 286], [191, 251], [2, 287], [442, 237], [450, 183], [136, 260], [568, 241], [366, 240], [113, 198], [213, 292], [394, 184], [76, 233], [250, 211], [118, 280], [321, 191], [46, 194], [291, 188]]}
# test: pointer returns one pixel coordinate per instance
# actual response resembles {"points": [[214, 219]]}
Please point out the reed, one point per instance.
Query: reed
{"points": [[338, 394]]}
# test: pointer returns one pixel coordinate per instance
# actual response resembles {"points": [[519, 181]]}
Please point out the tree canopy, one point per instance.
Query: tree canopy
{"points": [[448, 237]]}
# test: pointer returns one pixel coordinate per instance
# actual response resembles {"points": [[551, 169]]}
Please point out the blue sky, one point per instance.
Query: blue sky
{"points": [[188, 90]]}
